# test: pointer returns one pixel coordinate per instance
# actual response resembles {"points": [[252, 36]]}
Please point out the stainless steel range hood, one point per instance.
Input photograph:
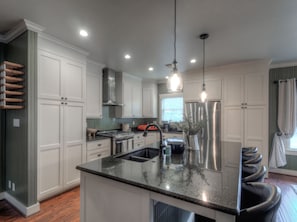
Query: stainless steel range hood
{"points": [[110, 85]]}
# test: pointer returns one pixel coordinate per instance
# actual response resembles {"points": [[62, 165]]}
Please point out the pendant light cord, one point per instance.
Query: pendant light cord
{"points": [[174, 33], [203, 86]]}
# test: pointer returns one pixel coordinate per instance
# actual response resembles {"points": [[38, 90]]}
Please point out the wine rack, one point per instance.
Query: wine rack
{"points": [[11, 93]]}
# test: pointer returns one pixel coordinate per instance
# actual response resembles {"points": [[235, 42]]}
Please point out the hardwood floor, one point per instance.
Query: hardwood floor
{"points": [[62, 208], [65, 207], [287, 211]]}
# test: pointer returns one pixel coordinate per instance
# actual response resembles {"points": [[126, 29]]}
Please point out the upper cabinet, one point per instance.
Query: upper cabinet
{"points": [[130, 95], [149, 100], [249, 89], [60, 78], [193, 89], [94, 90]]}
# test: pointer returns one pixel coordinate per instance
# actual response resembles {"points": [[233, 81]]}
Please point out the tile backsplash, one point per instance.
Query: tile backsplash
{"points": [[108, 122]]}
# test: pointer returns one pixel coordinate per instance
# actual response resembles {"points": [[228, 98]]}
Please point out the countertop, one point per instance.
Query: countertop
{"points": [[90, 139], [209, 177]]}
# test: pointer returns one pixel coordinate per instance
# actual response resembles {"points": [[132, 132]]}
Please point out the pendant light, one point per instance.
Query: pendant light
{"points": [[203, 94], [174, 83]]}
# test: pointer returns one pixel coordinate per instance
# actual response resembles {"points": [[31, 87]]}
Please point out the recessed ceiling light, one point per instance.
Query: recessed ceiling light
{"points": [[127, 56], [151, 68], [193, 61], [83, 33], [166, 77]]}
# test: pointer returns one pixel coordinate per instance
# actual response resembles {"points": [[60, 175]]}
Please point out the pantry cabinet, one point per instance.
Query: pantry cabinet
{"points": [[245, 108], [61, 121], [192, 90]]}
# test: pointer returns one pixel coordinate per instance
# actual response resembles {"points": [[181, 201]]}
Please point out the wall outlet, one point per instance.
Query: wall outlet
{"points": [[16, 123], [9, 184], [13, 187]]}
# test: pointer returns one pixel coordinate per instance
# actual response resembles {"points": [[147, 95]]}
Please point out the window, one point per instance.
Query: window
{"points": [[291, 144], [171, 107]]}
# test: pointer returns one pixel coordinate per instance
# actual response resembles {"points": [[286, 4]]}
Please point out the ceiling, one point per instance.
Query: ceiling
{"points": [[239, 30]]}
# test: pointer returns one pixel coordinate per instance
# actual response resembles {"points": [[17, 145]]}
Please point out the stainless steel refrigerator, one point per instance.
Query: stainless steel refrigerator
{"points": [[209, 140]]}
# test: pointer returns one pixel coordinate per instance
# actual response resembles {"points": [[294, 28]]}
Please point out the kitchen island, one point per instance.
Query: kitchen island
{"points": [[205, 182]]}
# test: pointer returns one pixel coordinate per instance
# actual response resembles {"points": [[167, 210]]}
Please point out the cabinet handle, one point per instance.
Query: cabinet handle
{"points": [[99, 154], [99, 144], [62, 103], [62, 98], [65, 98], [65, 103]]}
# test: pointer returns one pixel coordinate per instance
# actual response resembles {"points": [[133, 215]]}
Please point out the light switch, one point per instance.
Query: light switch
{"points": [[16, 123]]}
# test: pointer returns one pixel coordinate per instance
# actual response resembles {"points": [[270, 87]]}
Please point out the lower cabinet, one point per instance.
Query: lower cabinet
{"points": [[61, 146], [98, 149], [173, 135], [138, 141]]}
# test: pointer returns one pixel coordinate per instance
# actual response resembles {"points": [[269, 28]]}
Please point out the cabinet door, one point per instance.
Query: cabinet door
{"points": [[94, 95], [127, 97], [233, 124], [256, 89], [74, 142], [74, 75], [50, 148], [255, 130], [136, 98], [193, 89], [233, 91], [149, 102], [49, 76]]}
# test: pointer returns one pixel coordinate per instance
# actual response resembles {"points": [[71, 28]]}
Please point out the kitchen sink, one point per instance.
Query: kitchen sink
{"points": [[141, 155]]}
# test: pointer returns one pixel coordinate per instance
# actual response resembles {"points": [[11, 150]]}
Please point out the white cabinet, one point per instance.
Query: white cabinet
{"points": [[130, 95], [60, 78], [61, 145], [61, 121], [98, 149], [149, 100], [245, 108], [173, 135], [193, 89], [94, 90], [139, 140]]}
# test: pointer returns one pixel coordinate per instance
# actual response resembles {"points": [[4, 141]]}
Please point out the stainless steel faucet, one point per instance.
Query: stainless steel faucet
{"points": [[161, 134]]}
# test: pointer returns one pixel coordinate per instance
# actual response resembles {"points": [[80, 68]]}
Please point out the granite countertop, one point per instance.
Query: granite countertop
{"points": [[210, 177]]}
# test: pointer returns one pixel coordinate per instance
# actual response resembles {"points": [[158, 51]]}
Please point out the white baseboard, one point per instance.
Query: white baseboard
{"points": [[26, 211], [284, 171], [1, 195]]}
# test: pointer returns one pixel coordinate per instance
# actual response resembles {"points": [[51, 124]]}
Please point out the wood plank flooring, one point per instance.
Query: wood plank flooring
{"points": [[65, 207]]}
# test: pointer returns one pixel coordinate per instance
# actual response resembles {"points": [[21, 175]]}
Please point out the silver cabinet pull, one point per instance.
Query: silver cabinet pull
{"points": [[99, 144], [62, 103], [99, 154]]}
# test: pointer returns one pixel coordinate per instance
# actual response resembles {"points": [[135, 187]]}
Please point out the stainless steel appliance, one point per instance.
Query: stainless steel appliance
{"points": [[121, 141], [111, 84], [210, 112]]}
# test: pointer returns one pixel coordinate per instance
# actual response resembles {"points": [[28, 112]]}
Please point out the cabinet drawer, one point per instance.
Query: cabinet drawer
{"points": [[138, 136], [98, 154], [98, 144]]}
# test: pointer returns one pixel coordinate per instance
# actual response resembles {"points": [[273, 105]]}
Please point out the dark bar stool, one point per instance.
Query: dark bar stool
{"points": [[256, 159], [249, 169], [251, 149], [259, 202], [258, 176]]}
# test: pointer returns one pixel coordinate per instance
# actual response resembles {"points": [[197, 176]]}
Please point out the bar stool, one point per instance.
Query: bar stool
{"points": [[249, 169], [252, 149], [256, 159], [258, 176], [259, 202]]}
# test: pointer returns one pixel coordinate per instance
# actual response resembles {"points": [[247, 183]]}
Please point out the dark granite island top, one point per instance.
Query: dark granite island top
{"points": [[208, 177]]}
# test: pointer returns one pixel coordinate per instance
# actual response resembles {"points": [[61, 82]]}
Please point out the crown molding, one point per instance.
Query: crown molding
{"points": [[283, 65], [17, 30], [62, 43]]}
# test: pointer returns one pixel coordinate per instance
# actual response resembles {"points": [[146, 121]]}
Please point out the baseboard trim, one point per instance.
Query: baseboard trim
{"points": [[26, 211], [2, 196], [284, 171]]}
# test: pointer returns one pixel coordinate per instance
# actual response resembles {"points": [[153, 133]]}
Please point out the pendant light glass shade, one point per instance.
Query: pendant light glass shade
{"points": [[203, 94], [175, 82]]}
